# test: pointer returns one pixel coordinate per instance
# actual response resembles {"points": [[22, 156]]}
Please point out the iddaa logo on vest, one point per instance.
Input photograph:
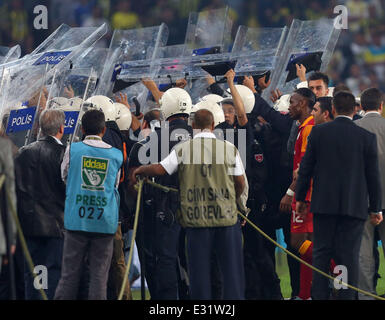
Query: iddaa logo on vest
{"points": [[94, 172]]}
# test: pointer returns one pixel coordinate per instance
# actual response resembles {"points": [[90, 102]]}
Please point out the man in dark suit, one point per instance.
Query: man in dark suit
{"points": [[342, 159], [372, 104], [40, 200]]}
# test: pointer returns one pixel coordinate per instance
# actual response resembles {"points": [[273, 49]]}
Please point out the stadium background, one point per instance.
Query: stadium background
{"points": [[358, 61]]}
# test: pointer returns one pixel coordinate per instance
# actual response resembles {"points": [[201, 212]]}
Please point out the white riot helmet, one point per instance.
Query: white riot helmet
{"points": [[57, 102], [175, 101], [104, 104], [125, 117], [212, 97], [247, 97], [73, 104], [19, 105], [214, 108], [283, 103]]}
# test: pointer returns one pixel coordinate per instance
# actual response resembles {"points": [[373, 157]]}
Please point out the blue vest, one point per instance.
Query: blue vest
{"points": [[92, 201]]}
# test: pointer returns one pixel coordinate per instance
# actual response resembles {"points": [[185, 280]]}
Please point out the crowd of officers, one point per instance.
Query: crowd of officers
{"points": [[227, 260]]}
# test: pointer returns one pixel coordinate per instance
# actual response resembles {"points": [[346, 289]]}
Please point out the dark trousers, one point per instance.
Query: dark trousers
{"points": [[5, 287], [47, 252], [99, 249], [157, 243], [338, 237], [166, 265], [118, 270], [145, 244], [293, 264], [227, 244], [262, 281]]}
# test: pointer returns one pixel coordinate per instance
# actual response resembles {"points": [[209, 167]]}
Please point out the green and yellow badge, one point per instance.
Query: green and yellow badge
{"points": [[94, 172]]}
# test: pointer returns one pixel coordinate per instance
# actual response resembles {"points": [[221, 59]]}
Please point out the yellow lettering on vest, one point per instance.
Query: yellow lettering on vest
{"points": [[94, 164]]}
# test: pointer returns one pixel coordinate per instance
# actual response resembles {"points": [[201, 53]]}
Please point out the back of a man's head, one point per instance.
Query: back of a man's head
{"points": [[371, 99], [151, 115], [50, 121], [203, 119], [93, 122], [344, 103], [341, 87]]}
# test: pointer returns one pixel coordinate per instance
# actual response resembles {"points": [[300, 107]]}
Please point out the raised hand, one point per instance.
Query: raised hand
{"points": [[181, 83], [69, 92], [248, 81], [262, 83], [122, 98], [301, 72], [275, 95], [230, 75]]}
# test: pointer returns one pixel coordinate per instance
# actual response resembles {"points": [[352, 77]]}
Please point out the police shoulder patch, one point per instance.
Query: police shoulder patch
{"points": [[258, 157]]}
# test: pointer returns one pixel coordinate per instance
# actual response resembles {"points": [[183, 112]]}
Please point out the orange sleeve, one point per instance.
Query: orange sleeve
{"points": [[305, 134]]}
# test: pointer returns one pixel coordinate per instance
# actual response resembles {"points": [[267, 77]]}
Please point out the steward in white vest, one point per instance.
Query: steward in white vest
{"points": [[211, 178]]}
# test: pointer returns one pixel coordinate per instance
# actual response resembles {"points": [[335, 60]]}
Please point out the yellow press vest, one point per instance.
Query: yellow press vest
{"points": [[207, 192]]}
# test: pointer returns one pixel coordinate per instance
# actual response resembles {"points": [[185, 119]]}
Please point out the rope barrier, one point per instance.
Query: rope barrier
{"points": [[23, 243], [2, 180], [132, 239], [284, 249], [125, 279], [307, 264]]}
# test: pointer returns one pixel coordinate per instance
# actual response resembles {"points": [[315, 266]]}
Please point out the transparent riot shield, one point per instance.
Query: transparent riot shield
{"points": [[208, 30], [19, 116], [165, 71], [207, 45], [9, 54], [67, 92], [33, 75], [257, 49], [94, 57], [55, 54], [128, 50], [208, 41], [310, 43], [169, 64]]}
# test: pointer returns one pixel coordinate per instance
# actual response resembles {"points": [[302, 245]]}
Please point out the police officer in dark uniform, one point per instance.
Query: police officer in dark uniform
{"points": [[161, 231], [274, 129], [259, 266]]}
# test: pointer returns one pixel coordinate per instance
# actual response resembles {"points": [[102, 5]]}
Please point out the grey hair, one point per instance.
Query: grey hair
{"points": [[51, 120]]}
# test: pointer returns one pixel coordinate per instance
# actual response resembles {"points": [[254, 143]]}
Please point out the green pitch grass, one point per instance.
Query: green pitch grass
{"points": [[283, 274]]}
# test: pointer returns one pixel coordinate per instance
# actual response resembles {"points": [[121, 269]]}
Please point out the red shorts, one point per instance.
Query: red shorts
{"points": [[299, 225]]}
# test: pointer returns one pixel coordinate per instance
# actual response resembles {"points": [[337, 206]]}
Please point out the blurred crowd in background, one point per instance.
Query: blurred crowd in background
{"points": [[358, 61]]}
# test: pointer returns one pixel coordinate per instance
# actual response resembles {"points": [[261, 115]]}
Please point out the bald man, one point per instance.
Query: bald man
{"points": [[211, 179]]}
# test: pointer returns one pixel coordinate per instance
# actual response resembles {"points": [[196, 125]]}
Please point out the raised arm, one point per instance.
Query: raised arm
{"points": [[238, 103], [153, 88]]}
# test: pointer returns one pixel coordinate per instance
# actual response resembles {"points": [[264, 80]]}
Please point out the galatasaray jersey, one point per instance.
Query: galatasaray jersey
{"points": [[301, 144]]}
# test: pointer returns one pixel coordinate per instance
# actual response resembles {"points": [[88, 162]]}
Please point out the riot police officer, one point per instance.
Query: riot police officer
{"points": [[160, 228], [259, 266], [209, 187]]}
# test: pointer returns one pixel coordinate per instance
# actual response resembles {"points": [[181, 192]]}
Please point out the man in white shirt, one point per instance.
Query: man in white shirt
{"points": [[211, 179]]}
